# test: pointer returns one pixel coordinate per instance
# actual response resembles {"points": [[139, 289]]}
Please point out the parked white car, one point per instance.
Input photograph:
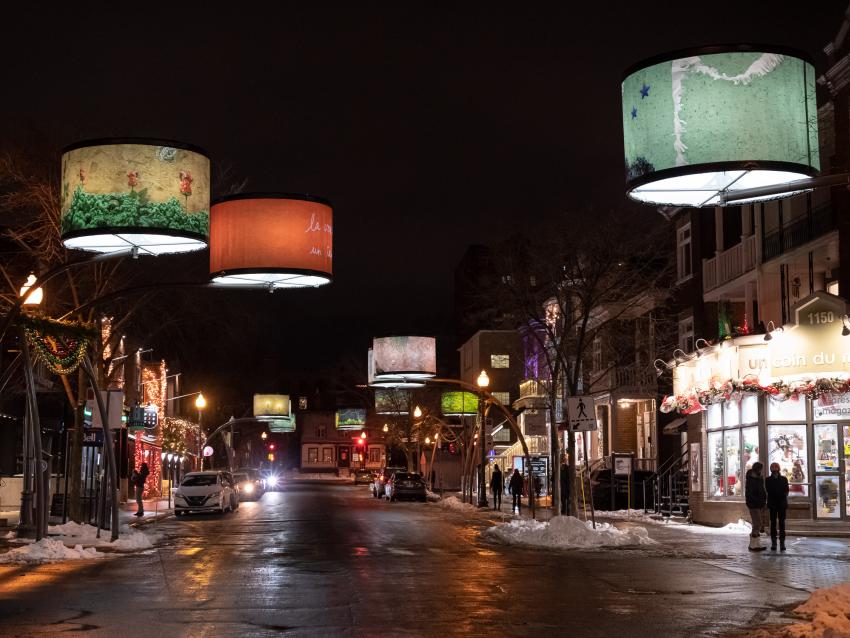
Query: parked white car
{"points": [[212, 491]]}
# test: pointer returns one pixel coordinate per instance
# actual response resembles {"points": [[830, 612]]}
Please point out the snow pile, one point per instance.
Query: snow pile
{"points": [[826, 614], [455, 504], [567, 532], [431, 496], [128, 539], [47, 550]]}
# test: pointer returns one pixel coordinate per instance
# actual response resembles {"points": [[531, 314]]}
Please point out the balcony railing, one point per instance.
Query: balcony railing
{"points": [[635, 377], [819, 221], [533, 388], [730, 264]]}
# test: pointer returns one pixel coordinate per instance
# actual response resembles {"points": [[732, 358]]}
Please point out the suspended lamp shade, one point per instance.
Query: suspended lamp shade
{"points": [[282, 425], [273, 405], [389, 381], [458, 403], [404, 357], [350, 418], [123, 193], [699, 122], [392, 401], [278, 241]]}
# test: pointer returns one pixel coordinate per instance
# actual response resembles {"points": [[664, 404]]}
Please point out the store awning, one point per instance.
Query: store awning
{"points": [[675, 426]]}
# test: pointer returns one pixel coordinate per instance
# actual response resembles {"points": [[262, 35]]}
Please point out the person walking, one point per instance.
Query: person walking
{"points": [[756, 496], [496, 487], [515, 487], [141, 476], [777, 502]]}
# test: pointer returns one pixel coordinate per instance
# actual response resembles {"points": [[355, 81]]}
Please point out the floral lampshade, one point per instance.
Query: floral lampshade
{"points": [[123, 193]]}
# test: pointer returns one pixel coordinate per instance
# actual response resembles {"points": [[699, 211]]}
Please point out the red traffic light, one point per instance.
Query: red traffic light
{"points": [[271, 446]]}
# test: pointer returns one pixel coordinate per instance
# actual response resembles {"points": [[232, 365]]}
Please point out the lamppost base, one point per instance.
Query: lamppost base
{"points": [[482, 503], [25, 527]]}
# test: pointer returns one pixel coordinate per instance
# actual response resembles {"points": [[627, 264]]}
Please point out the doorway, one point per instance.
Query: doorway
{"points": [[832, 470]]}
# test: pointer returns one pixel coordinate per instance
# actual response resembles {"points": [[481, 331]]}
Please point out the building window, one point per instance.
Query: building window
{"points": [[500, 361], [312, 455], [302, 403], [327, 455], [321, 432], [733, 445], [684, 267], [374, 455], [789, 447], [532, 281], [686, 334], [502, 397]]}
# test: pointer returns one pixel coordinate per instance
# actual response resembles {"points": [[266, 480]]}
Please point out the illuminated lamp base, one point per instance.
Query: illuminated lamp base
{"points": [[350, 428], [148, 244], [396, 382], [272, 280], [703, 189]]}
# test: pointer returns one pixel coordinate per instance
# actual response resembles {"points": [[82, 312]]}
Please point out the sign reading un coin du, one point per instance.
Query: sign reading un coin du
{"points": [[810, 347]]}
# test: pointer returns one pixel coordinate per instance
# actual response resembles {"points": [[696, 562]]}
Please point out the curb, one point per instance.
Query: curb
{"points": [[151, 519]]}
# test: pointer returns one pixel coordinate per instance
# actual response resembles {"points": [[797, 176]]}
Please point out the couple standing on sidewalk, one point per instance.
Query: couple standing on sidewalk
{"points": [[773, 493], [515, 487]]}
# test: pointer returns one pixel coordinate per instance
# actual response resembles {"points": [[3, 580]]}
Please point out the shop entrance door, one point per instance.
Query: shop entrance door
{"points": [[832, 474]]}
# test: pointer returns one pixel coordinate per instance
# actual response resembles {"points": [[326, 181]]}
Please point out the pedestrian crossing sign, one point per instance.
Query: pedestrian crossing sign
{"points": [[581, 414]]}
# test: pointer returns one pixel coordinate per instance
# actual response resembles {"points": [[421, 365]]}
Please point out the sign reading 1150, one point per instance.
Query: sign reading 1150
{"points": [[816, 318]]}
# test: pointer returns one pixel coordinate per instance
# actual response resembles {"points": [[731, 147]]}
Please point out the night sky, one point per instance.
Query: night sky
{"points": [[429, 129]]}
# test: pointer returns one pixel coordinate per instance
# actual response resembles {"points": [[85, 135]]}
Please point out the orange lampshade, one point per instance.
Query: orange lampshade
{"points": [[278, 241]]}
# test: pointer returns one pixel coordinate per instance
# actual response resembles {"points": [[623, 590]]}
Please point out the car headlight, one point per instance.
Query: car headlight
{"points": [[272, 481], [249, 488]]}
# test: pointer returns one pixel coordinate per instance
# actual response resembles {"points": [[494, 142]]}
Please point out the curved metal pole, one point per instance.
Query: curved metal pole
{"points": [[108, 449]]}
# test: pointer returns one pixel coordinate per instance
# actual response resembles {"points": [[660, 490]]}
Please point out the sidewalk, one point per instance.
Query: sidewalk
{"points": [[154, 510]]}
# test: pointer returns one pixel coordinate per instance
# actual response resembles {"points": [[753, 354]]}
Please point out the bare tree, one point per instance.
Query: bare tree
{"points": [[582, 283]]}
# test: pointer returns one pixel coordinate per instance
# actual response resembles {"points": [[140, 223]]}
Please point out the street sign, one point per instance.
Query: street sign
{"points": [[622, 465], [534, 422], [581, 414]]}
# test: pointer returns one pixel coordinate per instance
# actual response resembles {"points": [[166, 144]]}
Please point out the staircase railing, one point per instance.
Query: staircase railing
{"points": [[670, 487]]}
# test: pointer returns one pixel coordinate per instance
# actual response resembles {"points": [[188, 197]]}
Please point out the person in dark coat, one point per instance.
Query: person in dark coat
{"points": [[777, 502], [496, 487], [756, 496], [515, 488], [140, 477], [565, 487]]}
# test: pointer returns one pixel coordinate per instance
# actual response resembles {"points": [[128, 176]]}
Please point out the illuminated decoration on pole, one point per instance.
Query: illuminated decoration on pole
{"points": [[392, 401], [208, 451], [388, 381], [123, 193], [61, 345], [395, 361], [458, 404], [277, 241], [282, 425], [350, 418], [697, 123]]}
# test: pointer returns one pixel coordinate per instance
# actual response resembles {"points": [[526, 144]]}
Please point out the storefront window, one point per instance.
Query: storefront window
{"points": [[716, 460], [826, 450], [787, 445], [731, 443], [788, 410], [713, 417], [733, 449], [750, 437], [831, 406]]}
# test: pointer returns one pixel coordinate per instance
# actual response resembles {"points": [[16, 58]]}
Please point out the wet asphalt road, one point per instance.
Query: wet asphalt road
{"points": [[329, 560]]}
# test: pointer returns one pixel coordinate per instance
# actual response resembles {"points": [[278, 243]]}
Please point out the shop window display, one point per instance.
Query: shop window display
{"points": [[750, 446], [826, 452], [732, 450], [827, 496], [787, 445], [717, 460]]}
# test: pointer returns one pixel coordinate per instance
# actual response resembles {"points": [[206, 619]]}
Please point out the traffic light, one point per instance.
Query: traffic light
{"points": [[271, 457], [271, 446]]}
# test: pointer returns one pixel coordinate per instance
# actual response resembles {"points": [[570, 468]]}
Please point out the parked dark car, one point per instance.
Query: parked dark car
{"points": [[364, 477], [379, 485], [406, 485], [249, 485]]}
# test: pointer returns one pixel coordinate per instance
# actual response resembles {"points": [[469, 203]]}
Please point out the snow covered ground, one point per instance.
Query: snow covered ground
{"points": [[742, 527], [826, 614], [567, 532], [73, 541]]}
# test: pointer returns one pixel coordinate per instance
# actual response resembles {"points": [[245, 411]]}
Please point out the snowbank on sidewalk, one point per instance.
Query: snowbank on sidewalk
{"points": [[567, 532], [128, 539], [455, 504], [47, 550], [826, 614]]}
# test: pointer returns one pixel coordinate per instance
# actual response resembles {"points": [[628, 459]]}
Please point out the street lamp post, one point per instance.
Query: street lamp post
{"points": [[483, 381], [200, 403]]}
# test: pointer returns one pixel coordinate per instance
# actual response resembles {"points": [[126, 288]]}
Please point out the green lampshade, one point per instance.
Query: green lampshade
{"points": [[458, 403]]}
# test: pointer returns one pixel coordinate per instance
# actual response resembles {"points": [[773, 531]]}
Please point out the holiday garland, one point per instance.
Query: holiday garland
{"points": [[697, 399], [61, 345]]}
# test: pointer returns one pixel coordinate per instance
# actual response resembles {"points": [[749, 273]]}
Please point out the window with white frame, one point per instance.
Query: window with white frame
{"points": [[312, 455], [500, 361], [684, 267], [374, 455], [321, 432], [502, 397], [686, 334], [733, 445]]}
